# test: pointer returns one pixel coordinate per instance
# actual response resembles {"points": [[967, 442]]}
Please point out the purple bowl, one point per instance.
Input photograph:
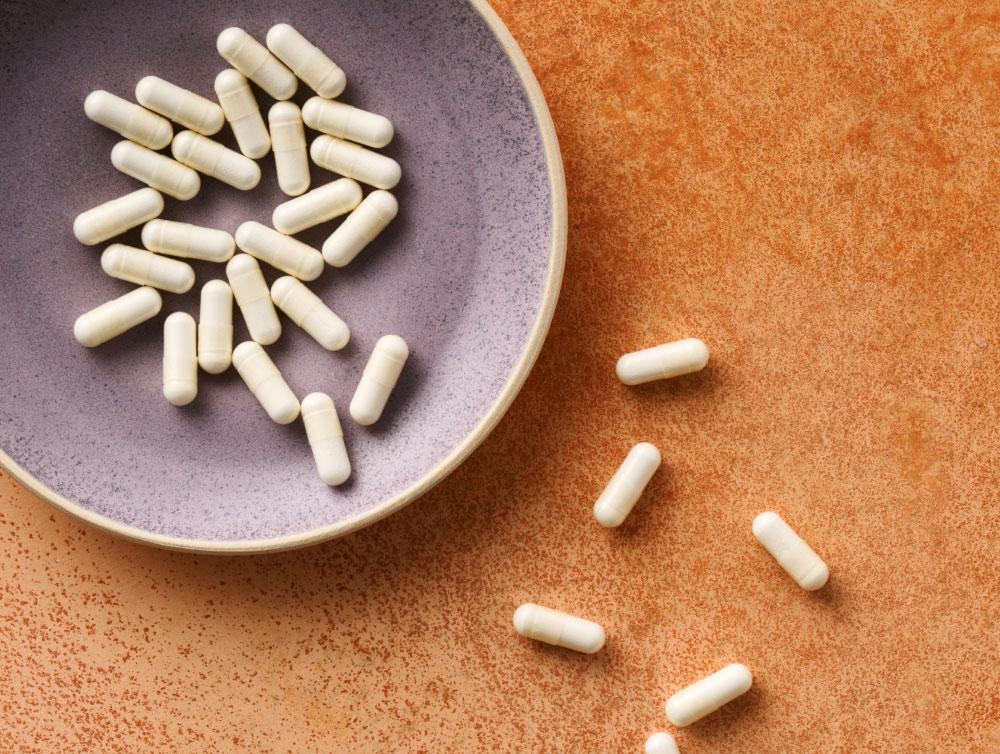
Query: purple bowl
{"points": [[468, 273]]}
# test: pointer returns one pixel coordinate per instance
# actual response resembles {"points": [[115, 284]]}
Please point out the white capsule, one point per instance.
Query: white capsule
{"points": [[213, 159], [116, 216], [146, 268], [307, 61], [347, 122], [317, 206], [360, 228], [791, 551], [111, 319], [326, 438], [562, 630], [251, 58], [242, 112], [128, 119], [661, 743], [378, 379], [253, 298], [180, 105], [180, 360], [155, 170], [355, 162], [627, 484], [705, 696], [288, 142], [265, 382], [215, 327], [660, 362], [287, 254], [306, 310], [188, 241]]}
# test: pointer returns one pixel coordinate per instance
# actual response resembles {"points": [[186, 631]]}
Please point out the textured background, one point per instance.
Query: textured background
{"points": [[812, 190]]}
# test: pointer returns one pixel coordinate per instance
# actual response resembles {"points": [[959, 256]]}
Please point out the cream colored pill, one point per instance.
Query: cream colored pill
{"points": [[360, 228], [128, 119], [241, 110], [111, 319], [317, 206], [378, 379], [355, 162], [180, 359], [146, 268], [347, 122], [283, 252], [660, 362], [627, 484], [116, 216], [560, 629], [707, 695], [306, 310], [307, 61], [253, 298], [251, 58], [213, 159], [155, 170], [288, 142], [661, 743], [265, 382], [791, 551], [326, 438], [215, 327], [180, 105], [188, 241]]}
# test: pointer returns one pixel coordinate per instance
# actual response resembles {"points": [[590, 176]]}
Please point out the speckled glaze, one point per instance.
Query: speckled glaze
{"points": [[467, 273]]}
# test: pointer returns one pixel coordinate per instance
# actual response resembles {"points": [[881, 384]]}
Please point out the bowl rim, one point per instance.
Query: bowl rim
{"points": [[553, 282]]}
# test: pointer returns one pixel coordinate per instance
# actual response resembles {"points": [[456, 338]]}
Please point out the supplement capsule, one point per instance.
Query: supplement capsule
{"points": [[213, 159], [180, 362], [283, 252], [251, 58], [130, 120], [360, 228], [625, 487], [660, 362], [326, 438], [355, 162], [288, 142], [307, 61], [378, 379], [265, 382], [707, 695], [155, 170], [241, 110], [111, 319], [253, 298], [306, 310], [347, 122], [661, 743], [791, 551], [180, 105], [188, 241], [562, 630], [146, 268], [215, 327], [116, 216], [317, 206]]}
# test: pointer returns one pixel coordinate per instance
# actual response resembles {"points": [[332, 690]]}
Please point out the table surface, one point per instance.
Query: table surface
{"points": [[811, 189]]}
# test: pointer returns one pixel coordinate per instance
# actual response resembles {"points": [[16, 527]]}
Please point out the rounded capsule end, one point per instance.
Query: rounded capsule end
{"points": [[699, 353], [393, 346], [661, 743], [334, 340], [286, 412], [93, 103], [182, 145], [214, 362], [382, 133], [815, 578], [279, 33], [240, 264], [333, 85], [312, 267], [145, 88], [84, 333], [180, 392], [284, 112], [269, 334], [763, 522], [229, 41], [248, 175], [522, 617], [111, 258], [281, 288]]}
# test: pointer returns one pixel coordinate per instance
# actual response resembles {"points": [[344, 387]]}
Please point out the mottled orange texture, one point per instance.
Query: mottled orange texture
{"points": [[812, 189]]}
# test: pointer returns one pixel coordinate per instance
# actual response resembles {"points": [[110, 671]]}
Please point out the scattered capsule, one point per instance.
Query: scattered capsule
{"points": [[111, 319], [627, 484], [155, 170], [288, 142], [326, 438], [128, 119], [562, 630], [360, 228], [116, 216], [705, 696], [661, 743], [180, 360], [317, 206], [213, 159], [791, 551], [253, 298], [251, 58], [265, 382], [355, 162], [241, 110], [307, 61], [306, 310], [146, 268], [283, 252], [215, 327], [378, 379], [347, 122], [660, 362], [180, 105], [188, 241]]}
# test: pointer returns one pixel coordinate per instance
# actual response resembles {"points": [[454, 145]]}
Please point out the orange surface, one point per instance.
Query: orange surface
{"points": [[812, 190]]}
